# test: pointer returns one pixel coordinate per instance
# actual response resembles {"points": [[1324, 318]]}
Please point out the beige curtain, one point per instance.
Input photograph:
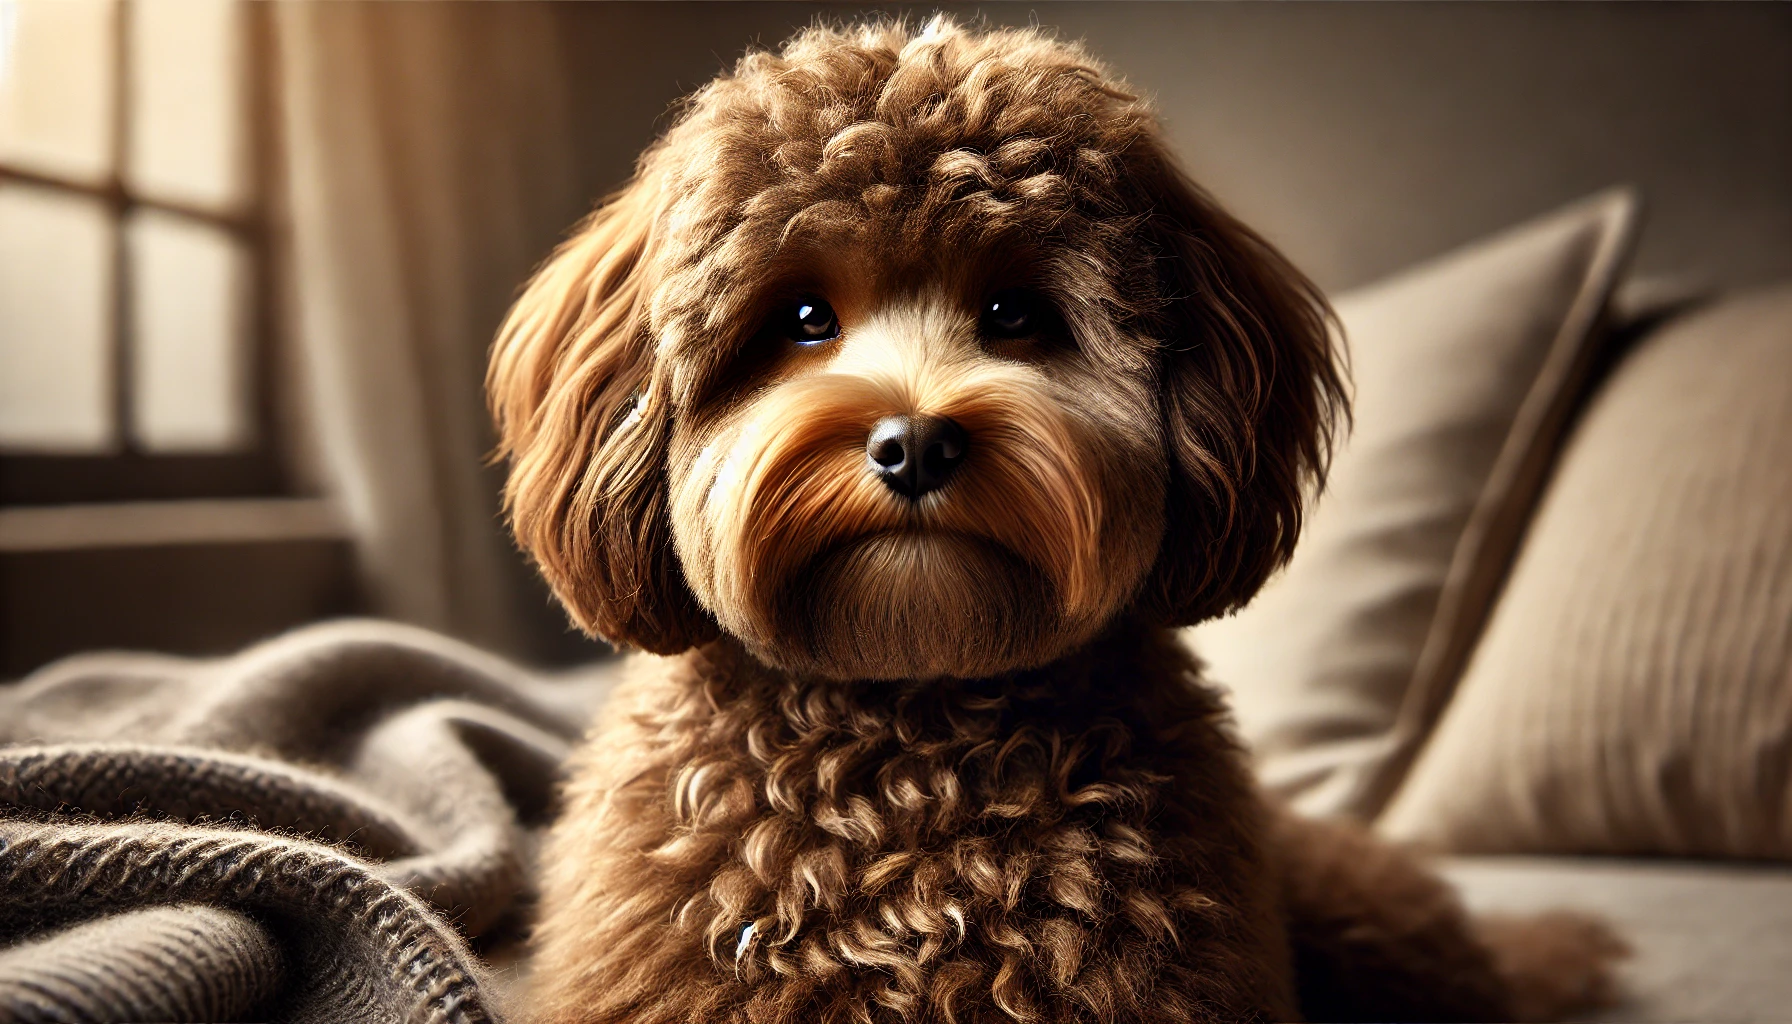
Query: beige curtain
{"points": [[428, 163]]}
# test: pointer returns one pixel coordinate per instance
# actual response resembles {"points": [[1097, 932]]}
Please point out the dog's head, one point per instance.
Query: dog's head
{"points": [[910, 353]]}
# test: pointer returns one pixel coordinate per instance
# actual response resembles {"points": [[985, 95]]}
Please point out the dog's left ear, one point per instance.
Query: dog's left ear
{"points": [[583, 418], [1251, 391]]}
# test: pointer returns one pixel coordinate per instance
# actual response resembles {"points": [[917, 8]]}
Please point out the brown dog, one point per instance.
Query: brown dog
{"points": [[907, 398]]}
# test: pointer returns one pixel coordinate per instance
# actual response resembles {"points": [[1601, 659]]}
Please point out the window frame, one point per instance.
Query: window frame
{"points": [[127, 472]]}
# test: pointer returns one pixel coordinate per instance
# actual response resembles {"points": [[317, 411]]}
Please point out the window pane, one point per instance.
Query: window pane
{"points": [[188, 137], [56, 85], [55, 322], [189, 366]]}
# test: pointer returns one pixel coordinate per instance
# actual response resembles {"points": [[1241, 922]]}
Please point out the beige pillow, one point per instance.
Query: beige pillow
{"points": [[1464, 371], [1633, 691]]}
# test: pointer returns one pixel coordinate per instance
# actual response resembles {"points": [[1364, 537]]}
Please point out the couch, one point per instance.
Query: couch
{"points": [[1540, 624]]}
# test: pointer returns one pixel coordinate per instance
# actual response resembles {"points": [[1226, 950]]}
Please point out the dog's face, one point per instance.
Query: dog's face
{"points": [[917, 477], [909, 355]]}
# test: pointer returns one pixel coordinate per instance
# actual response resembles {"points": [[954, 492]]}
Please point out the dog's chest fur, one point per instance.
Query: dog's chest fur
{"points": [[1072, 844]]}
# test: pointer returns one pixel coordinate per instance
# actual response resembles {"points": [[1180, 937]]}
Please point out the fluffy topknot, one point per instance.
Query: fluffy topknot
{"points": [[942, 141]]}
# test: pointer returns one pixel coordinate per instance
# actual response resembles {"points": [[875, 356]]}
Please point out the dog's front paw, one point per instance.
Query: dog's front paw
{"points": [[1554, 964]]}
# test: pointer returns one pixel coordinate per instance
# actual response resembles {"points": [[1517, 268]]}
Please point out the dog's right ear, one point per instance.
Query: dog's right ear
{"points": [[583, 419], [1253, 394]]}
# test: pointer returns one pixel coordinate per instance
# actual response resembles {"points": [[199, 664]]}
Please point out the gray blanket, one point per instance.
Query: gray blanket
{"points": [[330, 826]]}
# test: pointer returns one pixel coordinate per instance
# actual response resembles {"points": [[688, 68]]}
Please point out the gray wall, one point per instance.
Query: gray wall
{"points": [[1363, 136]]}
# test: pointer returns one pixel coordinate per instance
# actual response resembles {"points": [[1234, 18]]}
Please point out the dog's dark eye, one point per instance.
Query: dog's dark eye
{"points": [[814, 322], [1013, 313]]}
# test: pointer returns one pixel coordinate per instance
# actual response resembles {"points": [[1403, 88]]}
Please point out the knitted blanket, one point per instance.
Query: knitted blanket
{"points": [[330, 826]]}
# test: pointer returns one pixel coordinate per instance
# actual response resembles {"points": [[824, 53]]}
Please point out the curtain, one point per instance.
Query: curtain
{"points": [[429, 163]]}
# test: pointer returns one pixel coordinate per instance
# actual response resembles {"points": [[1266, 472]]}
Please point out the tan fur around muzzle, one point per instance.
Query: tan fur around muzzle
{"points": [[787, 483]]}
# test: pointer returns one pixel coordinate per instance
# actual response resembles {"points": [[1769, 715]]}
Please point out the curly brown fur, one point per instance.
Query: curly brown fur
{"points": [[935, 756], [1072, 845]]}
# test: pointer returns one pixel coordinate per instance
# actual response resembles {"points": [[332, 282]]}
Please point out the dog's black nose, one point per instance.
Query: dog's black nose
{"points": [[915, 454]]}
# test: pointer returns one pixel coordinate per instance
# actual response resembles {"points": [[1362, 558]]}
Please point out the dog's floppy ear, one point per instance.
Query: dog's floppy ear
{"points": [[1250, 390], [582, 417]]}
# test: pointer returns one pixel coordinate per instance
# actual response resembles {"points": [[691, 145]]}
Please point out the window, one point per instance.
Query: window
{"points": [[134, 295], [143, 499]]}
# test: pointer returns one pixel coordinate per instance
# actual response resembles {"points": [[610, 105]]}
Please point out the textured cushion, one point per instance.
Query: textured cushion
{"points": [[1633, 690], [1710, 942], [1464, 371]]}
